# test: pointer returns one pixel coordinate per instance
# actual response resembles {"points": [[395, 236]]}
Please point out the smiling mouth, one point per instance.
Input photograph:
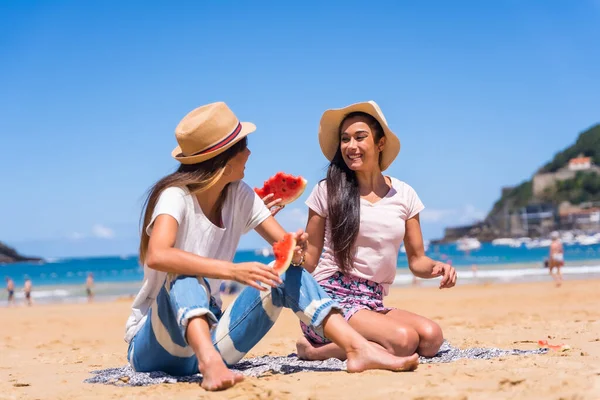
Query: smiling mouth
{"points": [[354, 156]]}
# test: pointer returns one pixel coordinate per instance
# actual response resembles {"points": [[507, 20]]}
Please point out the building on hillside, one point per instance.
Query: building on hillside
{"points": [[580, 163], [543, 181], [538, 219], [585, 217]]}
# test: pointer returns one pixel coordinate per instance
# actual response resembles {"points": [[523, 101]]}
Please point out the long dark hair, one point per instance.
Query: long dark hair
{"points": [[343, 199], [196, 177]]}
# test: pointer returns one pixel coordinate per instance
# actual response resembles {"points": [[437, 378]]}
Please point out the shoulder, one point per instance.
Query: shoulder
{"points": [[320, 187], [240, 188], [401, 186], [175, 191], [317, 200], [241, 194], [174, 195], [319, 191]]}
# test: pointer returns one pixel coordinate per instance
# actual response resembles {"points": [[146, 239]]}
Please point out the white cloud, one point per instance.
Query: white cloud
{"points": [[101, 231], [292, 219], [297, 215], [464, 215], [75, 236], [433, 215], [470, 214]]}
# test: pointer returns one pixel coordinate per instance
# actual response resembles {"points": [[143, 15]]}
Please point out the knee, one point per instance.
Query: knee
{"points": [[431, 339], [185, 283], [403, 341]]}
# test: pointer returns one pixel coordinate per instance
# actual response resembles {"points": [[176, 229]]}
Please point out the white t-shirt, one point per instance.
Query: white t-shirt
{"points": [[381, 232], [242, 211]]}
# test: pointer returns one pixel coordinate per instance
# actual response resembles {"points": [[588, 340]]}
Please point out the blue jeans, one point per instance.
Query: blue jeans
{"points": [[161, 344]]}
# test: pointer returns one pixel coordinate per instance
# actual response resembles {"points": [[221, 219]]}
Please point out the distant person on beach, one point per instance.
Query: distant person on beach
{"points": [[10, 288], [474, 270], [358, 218], [27, 288], [192, 224], [556, 258], [89, 285]]}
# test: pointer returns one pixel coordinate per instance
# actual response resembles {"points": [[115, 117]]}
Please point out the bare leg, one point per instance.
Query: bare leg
{"points": [[361, 354], [309, 351], [215, 374], [430, 333], [555, 276], [399, 332], [559, 278]]}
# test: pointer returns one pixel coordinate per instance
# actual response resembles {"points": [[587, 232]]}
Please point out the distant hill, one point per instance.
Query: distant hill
{"points": [[585, 186], [10, 255], [572, 176]]}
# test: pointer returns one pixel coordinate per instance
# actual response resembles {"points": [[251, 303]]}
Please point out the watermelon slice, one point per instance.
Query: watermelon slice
{"points": [[283, 186], [555, 347], [283, 252]]}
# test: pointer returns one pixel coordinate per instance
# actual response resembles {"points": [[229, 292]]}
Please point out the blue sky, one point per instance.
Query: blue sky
{"points": [[480, 93]]}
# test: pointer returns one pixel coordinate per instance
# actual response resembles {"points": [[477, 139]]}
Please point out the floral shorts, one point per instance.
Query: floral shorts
{"points": [[353, 294]]}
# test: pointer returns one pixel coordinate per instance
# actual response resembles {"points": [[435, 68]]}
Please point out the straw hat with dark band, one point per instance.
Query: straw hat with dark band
{"points": [[329, 131], [208, 131]]}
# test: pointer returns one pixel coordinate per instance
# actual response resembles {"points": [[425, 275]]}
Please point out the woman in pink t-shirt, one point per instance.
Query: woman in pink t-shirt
{"points": [[357, 221]]}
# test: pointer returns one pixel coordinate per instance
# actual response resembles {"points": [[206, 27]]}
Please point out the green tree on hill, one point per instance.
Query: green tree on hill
{"points": [[588, 144], [583, 188]]}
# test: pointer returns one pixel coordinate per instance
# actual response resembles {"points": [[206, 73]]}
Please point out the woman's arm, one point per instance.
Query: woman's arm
{"points": [[270, 230], [162, 256], [315, 227], [421, 265]]}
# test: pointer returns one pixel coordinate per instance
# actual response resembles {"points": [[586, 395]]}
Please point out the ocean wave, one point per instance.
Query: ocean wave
{"points": [[43, 294], [508, 274]]}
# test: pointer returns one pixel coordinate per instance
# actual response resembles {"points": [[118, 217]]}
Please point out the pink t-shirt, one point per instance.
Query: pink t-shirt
{"points": [[381, 233]]}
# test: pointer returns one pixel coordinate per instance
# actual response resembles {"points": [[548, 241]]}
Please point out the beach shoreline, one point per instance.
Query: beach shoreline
{"points": [[485, 274]]}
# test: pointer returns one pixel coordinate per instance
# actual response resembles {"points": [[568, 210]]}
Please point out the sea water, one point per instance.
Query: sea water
{"points": [[64, 279]]}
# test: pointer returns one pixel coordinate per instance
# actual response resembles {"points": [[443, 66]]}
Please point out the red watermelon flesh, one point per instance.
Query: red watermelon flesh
{"points": [[283, 186], [284, 252]]}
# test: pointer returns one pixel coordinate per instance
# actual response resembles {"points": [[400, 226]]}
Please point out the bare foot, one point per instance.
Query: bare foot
{"points": [[303, 348], [216, 375], [371, 357], [318, 352]]}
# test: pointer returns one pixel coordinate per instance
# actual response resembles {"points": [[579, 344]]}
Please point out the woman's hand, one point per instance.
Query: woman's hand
{"points": [[447, 272], [273, 205], [249, 273], [301, 246]]}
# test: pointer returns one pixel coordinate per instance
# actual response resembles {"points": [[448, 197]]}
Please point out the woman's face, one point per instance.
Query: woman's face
{"points": [[357, 144], [238, 165]]}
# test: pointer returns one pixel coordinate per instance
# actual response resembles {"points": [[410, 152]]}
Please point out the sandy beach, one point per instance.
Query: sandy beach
{"points": [[48, 350]]}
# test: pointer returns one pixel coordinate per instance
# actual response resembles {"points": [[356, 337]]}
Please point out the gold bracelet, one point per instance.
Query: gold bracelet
{"points": [[301, 263]]}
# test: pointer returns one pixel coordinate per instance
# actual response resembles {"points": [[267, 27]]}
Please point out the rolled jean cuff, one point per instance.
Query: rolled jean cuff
{"points": [[185, 314], [323, 311]]}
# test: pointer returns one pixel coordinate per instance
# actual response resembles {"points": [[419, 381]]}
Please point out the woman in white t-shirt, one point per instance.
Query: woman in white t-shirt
{"points": [[193, 221], [357, 221]]}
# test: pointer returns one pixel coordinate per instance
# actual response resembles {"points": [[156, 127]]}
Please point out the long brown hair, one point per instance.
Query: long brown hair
{"points": [[343, 199], [195, 177]]}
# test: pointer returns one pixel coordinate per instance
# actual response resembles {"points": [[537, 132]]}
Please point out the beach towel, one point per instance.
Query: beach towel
{"points": [[267, 365]]}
